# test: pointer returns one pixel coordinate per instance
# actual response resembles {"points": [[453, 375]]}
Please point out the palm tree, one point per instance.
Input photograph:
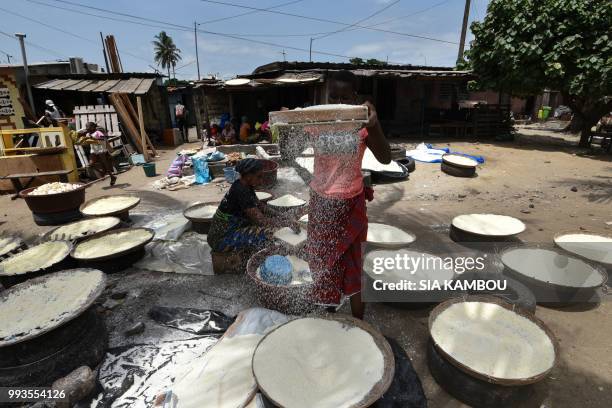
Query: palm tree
{"points": [[166, 53]]}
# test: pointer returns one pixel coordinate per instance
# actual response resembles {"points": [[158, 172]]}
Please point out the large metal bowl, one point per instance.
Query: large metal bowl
{"points": [[54, 203]]}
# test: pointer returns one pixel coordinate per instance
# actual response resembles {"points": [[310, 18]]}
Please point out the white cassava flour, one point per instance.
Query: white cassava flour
{"points": [[201, 211], [35, 258], [552, 267], [222, 378], [287, 200], [489, 224], [108, 205], [262, 195], [387, 235], [590, 246], [84, 227], [31, 309], [319, 363], [370, 162], [460, 160], [98, 247], [493, 341], [8, 244], [289, 237]]}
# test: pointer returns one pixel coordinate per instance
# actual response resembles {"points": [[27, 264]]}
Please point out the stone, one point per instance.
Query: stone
{"points": [[526, 211], [77, 385], [531, 206], [135, 329], [574, 189]]}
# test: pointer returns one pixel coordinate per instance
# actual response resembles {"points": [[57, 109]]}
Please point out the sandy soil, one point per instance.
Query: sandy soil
{"points": [[527, 181]]}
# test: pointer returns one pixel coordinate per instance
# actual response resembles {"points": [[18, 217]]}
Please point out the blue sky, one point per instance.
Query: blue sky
{"points": [[227, 56]]}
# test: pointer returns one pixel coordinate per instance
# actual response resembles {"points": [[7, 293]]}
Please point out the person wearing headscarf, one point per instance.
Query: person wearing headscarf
{"points": [[242, 222]]}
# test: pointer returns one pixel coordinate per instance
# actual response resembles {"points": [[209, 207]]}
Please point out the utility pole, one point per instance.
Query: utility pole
{"points": [[195, 34], [20, 37], [8, 57], [466, 15], [284, 55], [104, 52], [311, 50]]}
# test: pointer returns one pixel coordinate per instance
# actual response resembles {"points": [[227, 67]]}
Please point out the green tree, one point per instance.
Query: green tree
{"points": [[525, 46], [374, 61], [356, 61], [166, 53]]}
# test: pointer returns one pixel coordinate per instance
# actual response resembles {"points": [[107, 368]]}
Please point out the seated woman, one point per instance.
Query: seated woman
{"points": [[228, 135], [242, 222]]}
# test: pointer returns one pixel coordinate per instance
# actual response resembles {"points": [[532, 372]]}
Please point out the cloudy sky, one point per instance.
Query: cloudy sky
{"points": [[236, 36]]}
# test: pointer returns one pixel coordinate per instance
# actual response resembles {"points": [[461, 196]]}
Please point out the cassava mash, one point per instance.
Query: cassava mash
{"points": [[84, 227], [222, 378], [54, 188], [109, 205], [553, 267], [201, 211], [319, 363], [493, 341], [387, 235], [262, 195], [110, 244], [489, 224], [34, 308], [35, 258], [590, 246], [287, 201]]}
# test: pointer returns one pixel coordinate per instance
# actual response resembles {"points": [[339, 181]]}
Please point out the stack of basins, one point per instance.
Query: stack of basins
{"points": [[487, 353], [49, 327], [55, 203]]}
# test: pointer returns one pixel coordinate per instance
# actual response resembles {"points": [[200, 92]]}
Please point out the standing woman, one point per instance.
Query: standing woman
{"points": [[99, 157], [337, 218], [242, 222]]}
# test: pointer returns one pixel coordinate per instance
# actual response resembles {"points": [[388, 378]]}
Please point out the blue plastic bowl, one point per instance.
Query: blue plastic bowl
{"points": [[276, 270]]}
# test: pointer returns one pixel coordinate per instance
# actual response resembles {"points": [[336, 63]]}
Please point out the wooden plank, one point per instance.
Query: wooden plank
{"points": [[144, 86], [126, 121], [107, 85], [39, 174], [78, 85], [135, 117], [143, 138]]}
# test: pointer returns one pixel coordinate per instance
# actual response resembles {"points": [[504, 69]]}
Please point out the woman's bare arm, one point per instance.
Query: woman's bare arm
{"points": [[376, 141]]}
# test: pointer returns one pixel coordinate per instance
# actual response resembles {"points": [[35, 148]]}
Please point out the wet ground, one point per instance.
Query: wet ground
{"points": [[528, 181]]}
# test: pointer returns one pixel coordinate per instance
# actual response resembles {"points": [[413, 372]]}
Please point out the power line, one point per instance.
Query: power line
{"points": [[250, 12], [360, 21], [178, 27], [67, 32], [39, 47], [327, 21]]}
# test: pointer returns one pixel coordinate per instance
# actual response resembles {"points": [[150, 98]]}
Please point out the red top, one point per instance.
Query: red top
{"points": [[337, 163]]}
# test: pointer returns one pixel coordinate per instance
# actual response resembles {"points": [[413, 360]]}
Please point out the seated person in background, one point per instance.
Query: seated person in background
{"points": [[245, 132], [99, 158], [242, 222], [214, 132], [228, 135]]}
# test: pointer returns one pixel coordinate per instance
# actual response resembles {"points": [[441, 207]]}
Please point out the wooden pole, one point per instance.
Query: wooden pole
{"points": [[143, 135], [464, 27]]}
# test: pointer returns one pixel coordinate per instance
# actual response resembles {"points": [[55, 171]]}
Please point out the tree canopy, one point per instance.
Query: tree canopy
{"points": [[166, 53], [525, 46]]}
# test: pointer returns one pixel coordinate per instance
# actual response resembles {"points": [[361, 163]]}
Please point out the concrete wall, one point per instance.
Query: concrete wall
{"points": [[11, 110]]}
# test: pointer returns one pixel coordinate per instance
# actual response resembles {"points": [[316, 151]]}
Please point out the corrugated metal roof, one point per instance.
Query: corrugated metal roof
{"points": [[137, 86]]}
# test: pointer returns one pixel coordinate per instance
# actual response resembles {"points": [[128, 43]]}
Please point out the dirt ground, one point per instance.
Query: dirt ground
{"points": [[525, 180]]}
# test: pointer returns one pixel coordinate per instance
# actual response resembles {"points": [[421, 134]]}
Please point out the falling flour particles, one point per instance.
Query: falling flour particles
{"points": [[288, 236], [319, 363], [493, 341], [108, 205], [489, 224], [35, 258], [300, 271], [31, 309], [287, 200], [222, 378], [111, 243]]}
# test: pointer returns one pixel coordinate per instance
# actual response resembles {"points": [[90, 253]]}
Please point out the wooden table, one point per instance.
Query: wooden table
{"points": [[15, 179]]}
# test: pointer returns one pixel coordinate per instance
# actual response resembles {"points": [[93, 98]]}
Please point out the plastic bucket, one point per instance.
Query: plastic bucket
{"points": [[230, 174], [149, 169]]}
